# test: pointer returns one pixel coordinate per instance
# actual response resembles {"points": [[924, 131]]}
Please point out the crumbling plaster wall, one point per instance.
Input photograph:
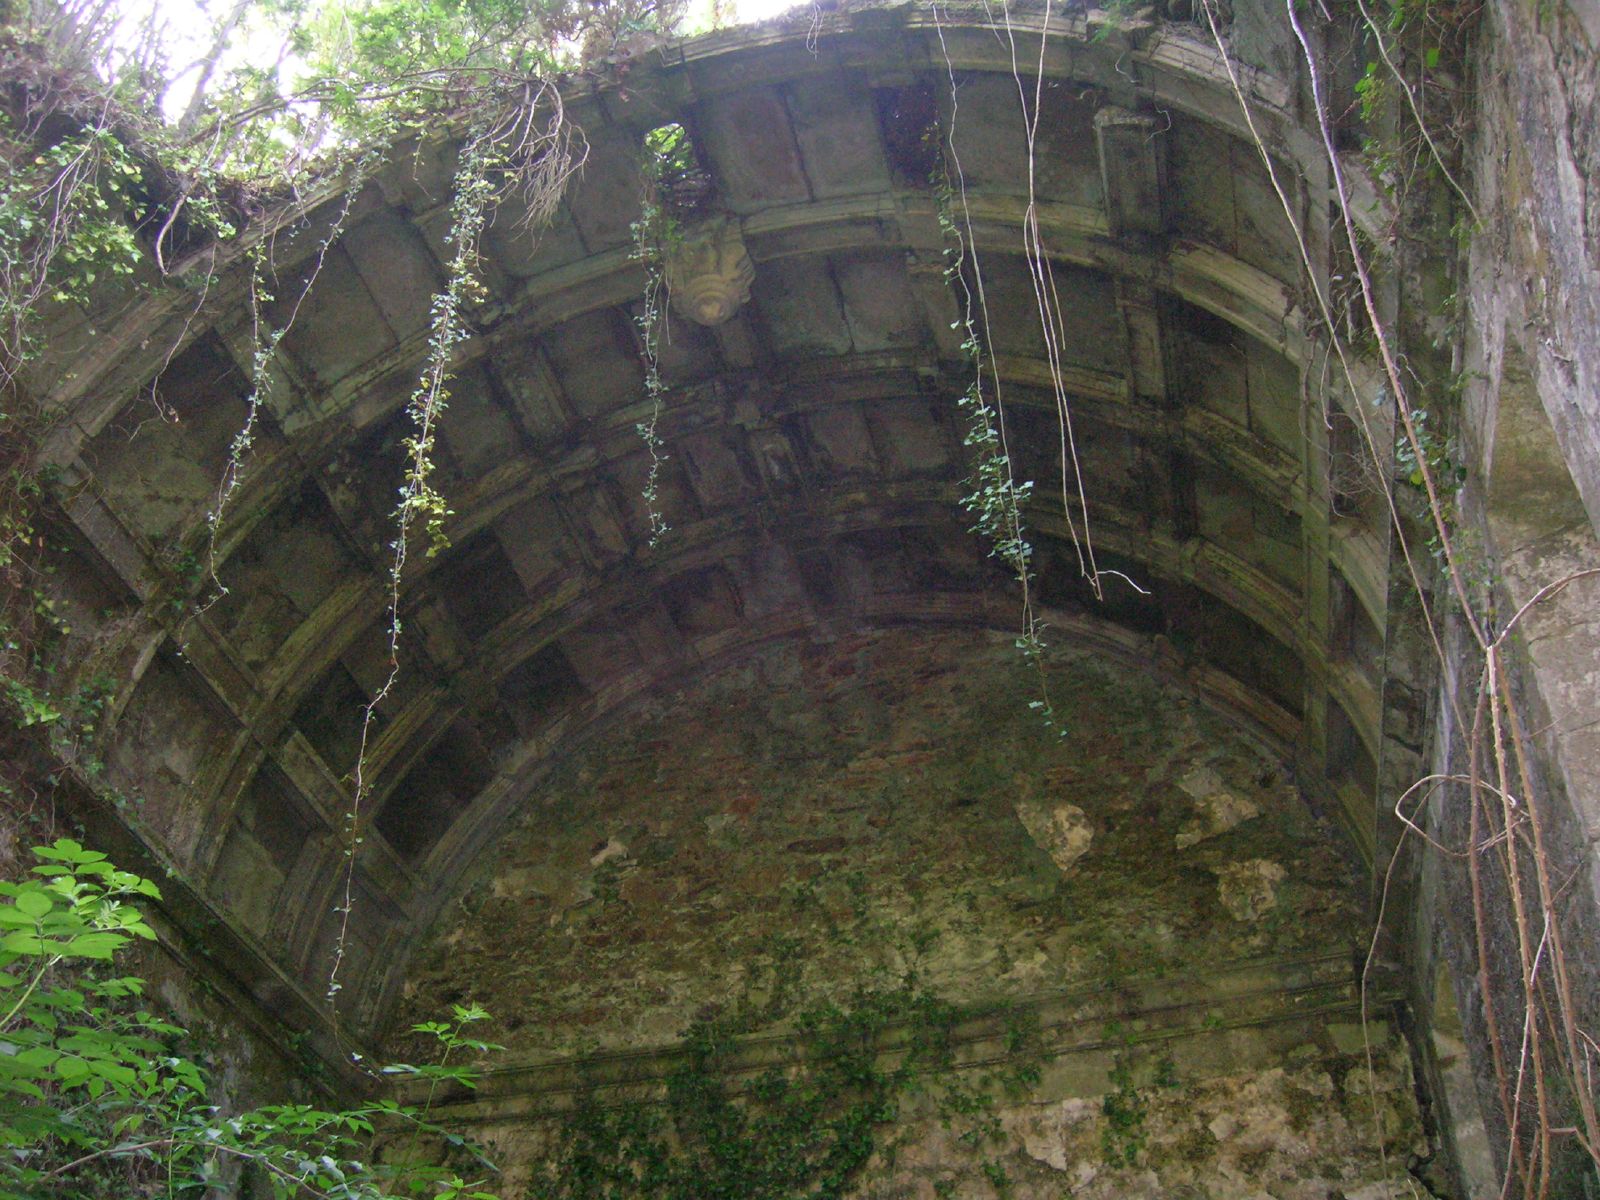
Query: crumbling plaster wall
{"points": [[831, 814], [882, 803]]}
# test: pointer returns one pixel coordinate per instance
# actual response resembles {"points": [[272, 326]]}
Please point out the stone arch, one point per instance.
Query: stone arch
{"points": [[815, 472]]}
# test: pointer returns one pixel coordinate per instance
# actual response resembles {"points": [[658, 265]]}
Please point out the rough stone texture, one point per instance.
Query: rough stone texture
{"points": [[1217, 809], [815, 463], [847, 810], [1302, 1132], [1531, 431], [1533, 417], [1063, 831], [1539, 264], [1289, 1108], [820, 815], [1249, 890]]}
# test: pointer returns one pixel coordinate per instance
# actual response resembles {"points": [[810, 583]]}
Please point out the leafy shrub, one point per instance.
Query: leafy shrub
{"points": [[95, 1102]]}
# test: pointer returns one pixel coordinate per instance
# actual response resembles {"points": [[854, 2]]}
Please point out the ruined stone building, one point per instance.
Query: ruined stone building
{"points": [[788, 749]]}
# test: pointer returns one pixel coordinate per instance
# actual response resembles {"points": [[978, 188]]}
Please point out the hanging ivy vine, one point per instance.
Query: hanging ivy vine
{"points": [[528, 150], [420, 501], [997, 497], [264, 349], [668, 171]]}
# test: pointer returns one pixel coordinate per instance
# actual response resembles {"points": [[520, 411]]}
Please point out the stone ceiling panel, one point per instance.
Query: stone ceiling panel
{"points": [[837, 132], [749, 144]]}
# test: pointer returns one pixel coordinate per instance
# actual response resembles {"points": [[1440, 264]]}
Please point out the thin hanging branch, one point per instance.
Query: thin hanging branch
{"points": [[264, 350], [1048, 302], [997, 497], [529, 150]]}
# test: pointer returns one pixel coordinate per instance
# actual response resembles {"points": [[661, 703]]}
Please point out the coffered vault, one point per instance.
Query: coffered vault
{"points": [[815, 457]]}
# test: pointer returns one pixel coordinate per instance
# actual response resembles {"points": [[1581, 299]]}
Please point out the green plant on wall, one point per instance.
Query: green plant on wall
{"points": [[667, 167], [67, 208], [1126, 1107], [1439, 455], [805, 1126], [996, 497]]}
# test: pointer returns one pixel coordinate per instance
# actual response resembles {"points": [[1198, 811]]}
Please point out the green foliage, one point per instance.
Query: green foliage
{"points": [[477, 189], [997, 498], [802, 1127], [667, 159], [1439, 456], [30, 705], [372, 72], [1117, 14], [472, 202], [1409, 99], [452, 1038], [389, 38], [669, 154], [95, 1101], [66, 213], [1124, 1108], [354, 41], [805, 1132]]}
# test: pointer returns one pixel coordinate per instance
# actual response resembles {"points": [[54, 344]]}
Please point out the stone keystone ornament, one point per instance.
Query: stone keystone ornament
{"points": [[709, 273]]}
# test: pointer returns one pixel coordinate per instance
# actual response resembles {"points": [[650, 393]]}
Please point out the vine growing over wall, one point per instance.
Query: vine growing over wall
{"points": [[667, 158], [78, 186], [420, 501], [264, 350], [806, 1126]]}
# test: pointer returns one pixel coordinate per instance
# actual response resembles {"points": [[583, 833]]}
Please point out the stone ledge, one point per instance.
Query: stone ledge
{"points": [[1241, 1016]]}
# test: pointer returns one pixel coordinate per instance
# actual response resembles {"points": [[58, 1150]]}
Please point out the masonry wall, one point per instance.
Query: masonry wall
{"points": [[1149, 895], [1530, 435]]}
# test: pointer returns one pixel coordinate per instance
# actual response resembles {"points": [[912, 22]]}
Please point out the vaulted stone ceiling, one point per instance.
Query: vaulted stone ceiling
{"points": [[815, 454]]}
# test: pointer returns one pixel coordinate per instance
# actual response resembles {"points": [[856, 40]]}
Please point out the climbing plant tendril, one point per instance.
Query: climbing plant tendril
{"points": [[264, 349], [528, 150], [420, 501], [668, 159], [650, 235], [997, 497]]}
